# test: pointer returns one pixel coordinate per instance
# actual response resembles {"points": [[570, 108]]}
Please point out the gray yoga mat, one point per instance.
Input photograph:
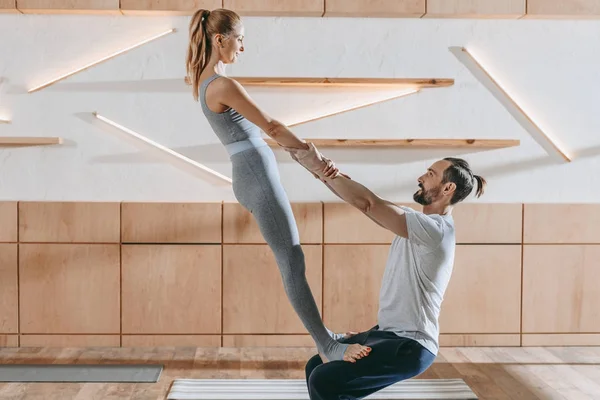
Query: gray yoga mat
{"points": [[79, 373]]}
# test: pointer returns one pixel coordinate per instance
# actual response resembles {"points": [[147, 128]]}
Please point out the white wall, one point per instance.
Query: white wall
{"points": [[551, 68]]}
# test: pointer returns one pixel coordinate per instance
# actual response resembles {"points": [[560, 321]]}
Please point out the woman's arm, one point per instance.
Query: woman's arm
{"points": [[230, 93]]}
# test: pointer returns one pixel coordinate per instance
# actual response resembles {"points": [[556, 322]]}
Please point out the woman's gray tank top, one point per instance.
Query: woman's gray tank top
{"points": [[232, 128]]}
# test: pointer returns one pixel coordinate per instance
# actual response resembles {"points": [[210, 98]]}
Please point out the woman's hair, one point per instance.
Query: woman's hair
{"points": [[204, 25]]}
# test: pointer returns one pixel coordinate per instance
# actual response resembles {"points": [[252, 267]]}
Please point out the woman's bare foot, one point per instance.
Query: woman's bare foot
{"points": [[356, 352], [353, 352]]}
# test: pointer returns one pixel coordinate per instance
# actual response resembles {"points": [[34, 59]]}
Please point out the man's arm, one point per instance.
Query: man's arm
{"points": [[385, 213]]}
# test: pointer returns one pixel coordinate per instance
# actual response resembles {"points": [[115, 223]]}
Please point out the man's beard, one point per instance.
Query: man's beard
{"points": [[423, 196]]}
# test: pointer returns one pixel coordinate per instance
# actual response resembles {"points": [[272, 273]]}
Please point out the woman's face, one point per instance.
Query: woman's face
{"points": [[231, 47]]}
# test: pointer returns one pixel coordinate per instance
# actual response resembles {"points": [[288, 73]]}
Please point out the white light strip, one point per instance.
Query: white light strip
{"points": [[99, 61], [4, 121], [508, 102], [352, 108], [163, 148]]}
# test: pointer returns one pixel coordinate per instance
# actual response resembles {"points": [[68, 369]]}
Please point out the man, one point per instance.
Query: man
{"points": [[420, 261]]}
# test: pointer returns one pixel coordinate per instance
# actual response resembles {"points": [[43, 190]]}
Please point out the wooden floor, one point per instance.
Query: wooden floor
{"points": [[492, 373]]}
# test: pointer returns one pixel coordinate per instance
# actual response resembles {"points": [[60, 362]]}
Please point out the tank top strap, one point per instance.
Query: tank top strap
{"points": [[208, 80]]}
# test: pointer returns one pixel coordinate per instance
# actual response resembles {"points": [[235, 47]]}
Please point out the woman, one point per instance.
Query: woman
{"points": [[216, 39]]}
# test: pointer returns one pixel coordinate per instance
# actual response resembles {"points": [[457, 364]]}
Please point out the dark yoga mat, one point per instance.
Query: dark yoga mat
{"points": [[79, 373]]}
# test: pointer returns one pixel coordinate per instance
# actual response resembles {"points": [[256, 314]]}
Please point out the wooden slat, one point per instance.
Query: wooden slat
{"points": [[391, 83], [254, 299], [240, 226], [375, 8], [29, 141], [8, 216], [69, 288], [352, 281], [560, 289], [169, 7], [485, 340], [294, 8], [9, 302], [566, 339], [171, 340], [8, 6], [102, 7], [488, 223], [268, 341], [9, 340], [475, 8], [563, 9], [562, 223], [163, 286], [411, 143], [71, 222], [344, 224], [70, 341], [484, 293], [170, 222]]}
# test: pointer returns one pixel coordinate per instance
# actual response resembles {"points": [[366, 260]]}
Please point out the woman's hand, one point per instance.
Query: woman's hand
{"points": [[321, 167]]}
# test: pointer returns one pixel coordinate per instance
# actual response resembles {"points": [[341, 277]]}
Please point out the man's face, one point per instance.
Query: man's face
{"points": [[430, 183]]}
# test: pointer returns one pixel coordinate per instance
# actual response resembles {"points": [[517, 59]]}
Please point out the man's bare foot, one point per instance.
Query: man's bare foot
{"points": [[353, 352]]}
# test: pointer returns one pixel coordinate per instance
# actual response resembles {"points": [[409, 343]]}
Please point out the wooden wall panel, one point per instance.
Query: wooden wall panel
{"points": [[298, 8], [167, 7], [82, 222], [344, 223], [8, 6], [171, 222], [9, 225], [560, 289], [573, 339], [488, 223], [268, 341], [352, 280], [171, 340], [484, 293], [254, 300], [475, 8], [9, 340], [485, 340], [9, 301], [70, 341], [69, 6], [171, 289], [561, 223], [239, 225], [563, 8], [375, 8], [69, 288]]}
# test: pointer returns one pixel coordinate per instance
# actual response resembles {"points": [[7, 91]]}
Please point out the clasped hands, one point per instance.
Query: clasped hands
{"points": [[320, 166]]}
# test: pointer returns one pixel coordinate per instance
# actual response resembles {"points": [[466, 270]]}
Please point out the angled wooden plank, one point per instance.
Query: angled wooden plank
{"points": [[103, 59], [507, 102]]}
